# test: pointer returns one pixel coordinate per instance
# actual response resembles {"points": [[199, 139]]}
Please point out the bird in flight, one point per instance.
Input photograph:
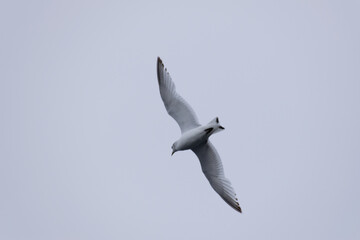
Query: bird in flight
{"points": [[196, 137]]}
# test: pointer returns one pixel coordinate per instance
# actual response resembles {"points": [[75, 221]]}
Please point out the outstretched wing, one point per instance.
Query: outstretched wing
{"points": [[175, 105], [212, 168]]}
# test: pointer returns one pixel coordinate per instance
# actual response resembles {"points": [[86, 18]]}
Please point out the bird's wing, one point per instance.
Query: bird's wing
{"points": [[212, 168], [175, 105]]}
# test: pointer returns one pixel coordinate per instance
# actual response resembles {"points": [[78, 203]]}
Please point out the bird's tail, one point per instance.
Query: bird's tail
{"points": [[217, 127]]}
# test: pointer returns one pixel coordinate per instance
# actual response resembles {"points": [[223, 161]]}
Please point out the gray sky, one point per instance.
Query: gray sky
{"points": [[85, 139]]}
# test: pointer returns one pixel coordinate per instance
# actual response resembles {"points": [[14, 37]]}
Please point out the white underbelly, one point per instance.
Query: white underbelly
{"points": [[192, 139]]}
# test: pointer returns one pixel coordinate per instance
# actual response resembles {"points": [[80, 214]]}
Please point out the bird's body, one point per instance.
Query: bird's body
{"points": [[196, 137]]}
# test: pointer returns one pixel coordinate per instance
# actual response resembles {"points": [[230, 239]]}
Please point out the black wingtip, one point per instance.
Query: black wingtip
{"points": [[158, 66], [238, 208]]}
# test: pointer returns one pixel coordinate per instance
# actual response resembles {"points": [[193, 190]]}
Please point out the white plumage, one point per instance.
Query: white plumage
{"points": [[195, 137]]}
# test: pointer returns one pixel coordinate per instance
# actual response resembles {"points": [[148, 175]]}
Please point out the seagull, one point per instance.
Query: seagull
{"points": [[195, 136]]}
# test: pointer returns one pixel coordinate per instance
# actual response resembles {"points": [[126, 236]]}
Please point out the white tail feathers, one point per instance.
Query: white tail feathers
{"points": [[215, 125], [214, 121]]}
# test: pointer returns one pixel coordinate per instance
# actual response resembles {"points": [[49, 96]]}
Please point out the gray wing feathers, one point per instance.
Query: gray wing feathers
{"points": [[212, 168], [175, 105]]}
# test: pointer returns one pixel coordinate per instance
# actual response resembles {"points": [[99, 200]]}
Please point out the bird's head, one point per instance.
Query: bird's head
{"points": [[174, 149]]}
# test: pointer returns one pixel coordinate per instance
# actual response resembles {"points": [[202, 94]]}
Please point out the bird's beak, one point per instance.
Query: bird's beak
{"points": [[173, 152]]}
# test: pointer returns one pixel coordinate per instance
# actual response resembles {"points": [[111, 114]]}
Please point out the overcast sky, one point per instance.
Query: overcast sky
{"points": [[85, 140]]}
